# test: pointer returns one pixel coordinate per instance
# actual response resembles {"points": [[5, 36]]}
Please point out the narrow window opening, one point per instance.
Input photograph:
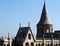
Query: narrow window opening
{"points": [[32, 44], [29, 36]]}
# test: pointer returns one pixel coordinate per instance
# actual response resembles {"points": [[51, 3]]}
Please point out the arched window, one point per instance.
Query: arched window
{"points": [[56, 45], [59, 44], [36, 44], [32, 44], [43, 44], [47, 30], [4, 44], [48, 44], [51, 44], [39, 44], [29, 36], [8, 45], [27, 44]]}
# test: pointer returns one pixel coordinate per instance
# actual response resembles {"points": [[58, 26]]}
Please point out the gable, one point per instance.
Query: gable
{"points": [[29, 36]]}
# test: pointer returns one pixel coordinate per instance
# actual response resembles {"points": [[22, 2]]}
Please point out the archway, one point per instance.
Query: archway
{"points": [[27, 44], [32, 44]]}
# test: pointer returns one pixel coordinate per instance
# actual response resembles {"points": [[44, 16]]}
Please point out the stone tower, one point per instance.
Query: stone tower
{"points": [[44, 25]]}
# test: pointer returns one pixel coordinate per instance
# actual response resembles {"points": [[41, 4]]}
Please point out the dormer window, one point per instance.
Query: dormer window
{"points": [[29, 36]]}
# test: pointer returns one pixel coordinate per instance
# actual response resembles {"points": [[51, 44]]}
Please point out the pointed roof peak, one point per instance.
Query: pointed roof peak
{"points": [[44, 6], [44, 16], [44, 1]]}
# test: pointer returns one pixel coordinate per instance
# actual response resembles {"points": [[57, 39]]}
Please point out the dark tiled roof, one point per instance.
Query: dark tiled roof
{"points": [[49, 36], [44, 17], [57, 32], [22, 32], [1, 42]]}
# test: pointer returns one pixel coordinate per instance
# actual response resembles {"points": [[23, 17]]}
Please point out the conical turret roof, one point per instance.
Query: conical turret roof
{"points": [[44, 16]]}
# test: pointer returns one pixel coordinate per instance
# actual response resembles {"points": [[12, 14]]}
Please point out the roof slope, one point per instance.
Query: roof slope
{"points": [[44, 16], [22, 33]]}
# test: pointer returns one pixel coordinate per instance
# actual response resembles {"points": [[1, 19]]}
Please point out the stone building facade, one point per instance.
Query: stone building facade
{"points": [[44, 37]]}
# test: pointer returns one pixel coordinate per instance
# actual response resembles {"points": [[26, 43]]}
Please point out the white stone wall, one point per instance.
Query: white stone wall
{"points": [[39, 42], [6, 42], [29, 40], [46, 42], [55, 42]]}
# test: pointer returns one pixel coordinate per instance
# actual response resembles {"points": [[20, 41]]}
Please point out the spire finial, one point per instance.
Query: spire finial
{"points": [[2, 37], [43, 36], [44, 1], [28, 24], [20, 24], [8, 35]]}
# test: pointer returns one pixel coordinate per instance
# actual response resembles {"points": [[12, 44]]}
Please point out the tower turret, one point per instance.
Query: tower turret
{"points": [[44, 25]]}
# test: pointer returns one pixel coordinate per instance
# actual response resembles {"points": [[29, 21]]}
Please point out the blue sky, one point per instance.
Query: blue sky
{"points": [[12, 12]]}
